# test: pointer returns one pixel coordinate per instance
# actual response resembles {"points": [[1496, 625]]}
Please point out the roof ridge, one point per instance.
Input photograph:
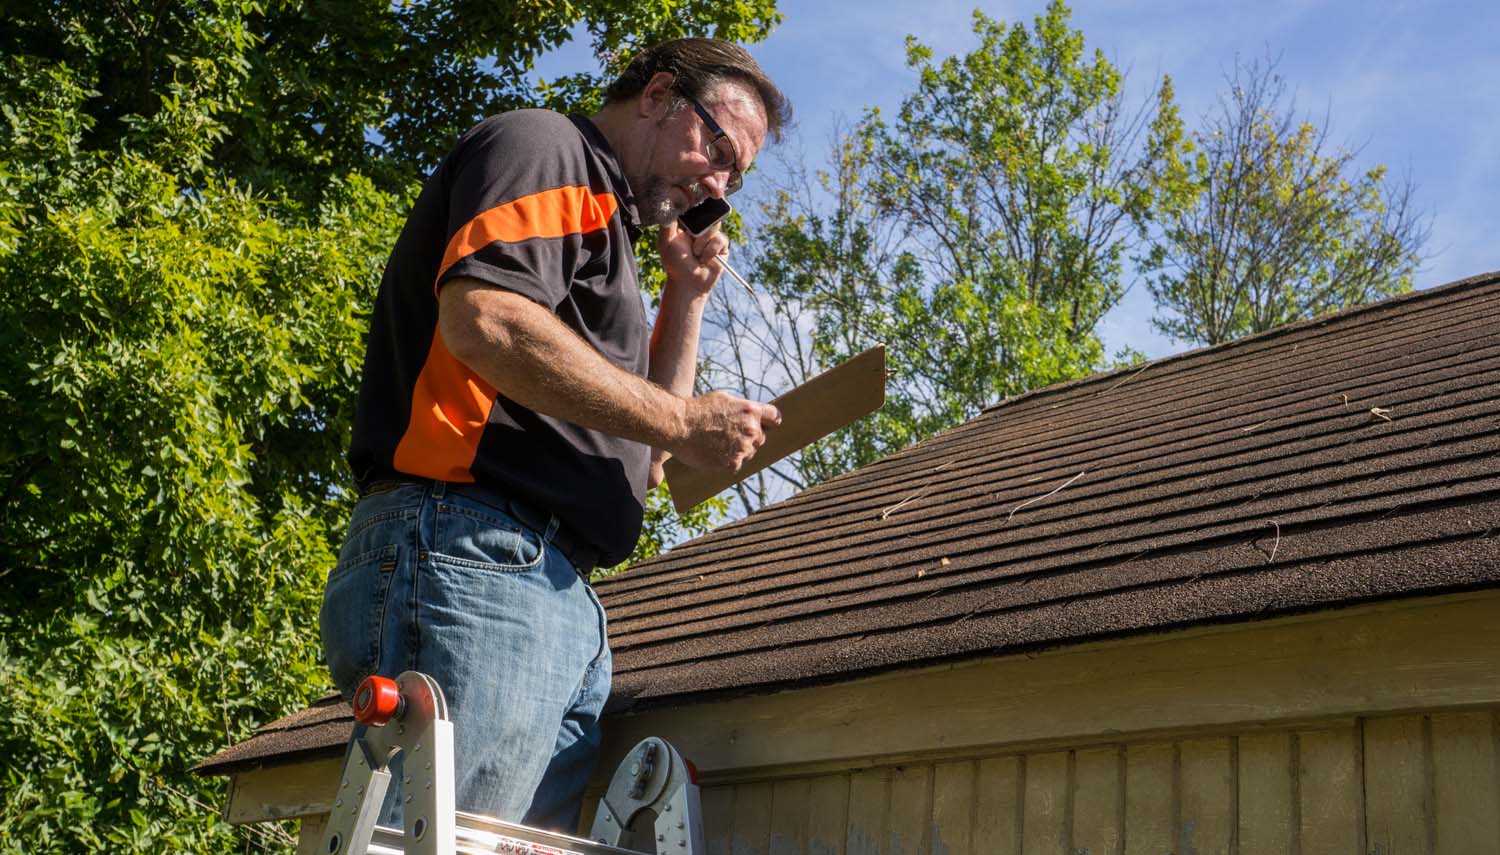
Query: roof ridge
{"points": [[1342, 315]]}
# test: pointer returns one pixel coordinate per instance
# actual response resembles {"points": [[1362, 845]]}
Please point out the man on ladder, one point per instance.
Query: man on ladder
{"points": [[513, 410]]}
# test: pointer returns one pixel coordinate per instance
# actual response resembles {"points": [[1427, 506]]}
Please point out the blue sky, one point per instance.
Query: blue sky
{"points": [[1415, 84]]}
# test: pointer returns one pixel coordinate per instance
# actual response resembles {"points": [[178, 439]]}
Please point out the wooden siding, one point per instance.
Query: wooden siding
{"points": [[1369, 730], [1422, 654], [1420, 783]]}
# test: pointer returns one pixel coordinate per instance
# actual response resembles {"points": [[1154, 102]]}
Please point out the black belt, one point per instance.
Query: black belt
{"points": [[584, 556]]}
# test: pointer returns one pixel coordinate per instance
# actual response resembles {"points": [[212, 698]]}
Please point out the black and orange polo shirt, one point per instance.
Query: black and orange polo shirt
{"points": [[533, 202]]}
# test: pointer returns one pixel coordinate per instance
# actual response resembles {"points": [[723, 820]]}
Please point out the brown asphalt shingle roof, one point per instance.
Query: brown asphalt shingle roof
{"points": [[317, 731], [1233, 482], [1237, 481]]}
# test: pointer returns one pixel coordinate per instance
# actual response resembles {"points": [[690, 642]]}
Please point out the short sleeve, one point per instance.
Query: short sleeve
{"points": [[520, 205]]}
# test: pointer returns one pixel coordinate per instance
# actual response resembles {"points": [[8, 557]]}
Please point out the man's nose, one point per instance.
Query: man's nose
{"points": [[716, 183]]}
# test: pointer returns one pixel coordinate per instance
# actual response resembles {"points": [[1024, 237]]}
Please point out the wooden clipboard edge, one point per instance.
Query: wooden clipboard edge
{"points": [[800, 427]]}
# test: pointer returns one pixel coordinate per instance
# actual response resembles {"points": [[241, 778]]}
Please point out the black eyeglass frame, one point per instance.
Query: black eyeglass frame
{"points": [[736, 179]]}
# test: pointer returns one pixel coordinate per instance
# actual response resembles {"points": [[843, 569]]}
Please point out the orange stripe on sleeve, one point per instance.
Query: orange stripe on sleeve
{"points": [[449, 408], [548, 214]]}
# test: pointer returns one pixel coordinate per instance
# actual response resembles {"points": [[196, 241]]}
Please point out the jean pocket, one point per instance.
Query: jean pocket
{"points": [[475, 536], [353, 615], [382, 510]]}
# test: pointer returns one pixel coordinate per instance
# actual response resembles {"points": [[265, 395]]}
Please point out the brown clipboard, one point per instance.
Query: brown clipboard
{"points": [[817, 408]]}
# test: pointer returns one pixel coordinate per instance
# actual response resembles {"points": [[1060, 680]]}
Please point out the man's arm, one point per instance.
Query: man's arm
{"points": [[691, 273], [524, 351], [674, 339]]}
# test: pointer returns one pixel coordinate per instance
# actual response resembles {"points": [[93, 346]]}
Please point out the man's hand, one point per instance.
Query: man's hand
{"points": [[691, 261], [658, 472], [721, 431]]}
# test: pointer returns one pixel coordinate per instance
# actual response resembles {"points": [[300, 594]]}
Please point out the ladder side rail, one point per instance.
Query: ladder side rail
{"points": [[420, 731]]}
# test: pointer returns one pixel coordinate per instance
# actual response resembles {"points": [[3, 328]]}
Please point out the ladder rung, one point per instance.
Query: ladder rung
{"points": [[483, 834]]}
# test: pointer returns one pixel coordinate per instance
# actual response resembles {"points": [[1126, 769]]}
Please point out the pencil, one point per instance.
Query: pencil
{"points": [[737, 277]]}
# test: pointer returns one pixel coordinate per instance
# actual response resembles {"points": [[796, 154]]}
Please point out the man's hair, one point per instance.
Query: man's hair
{"points": [[699, 65]]}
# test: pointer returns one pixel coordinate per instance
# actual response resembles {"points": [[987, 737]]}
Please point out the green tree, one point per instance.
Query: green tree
{"points": [[1275, 224], [177, 367], [303, 91], [188, 251], [980, 233]]}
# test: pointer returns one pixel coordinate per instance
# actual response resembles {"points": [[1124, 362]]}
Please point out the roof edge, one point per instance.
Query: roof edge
{"points": [[621, 705], [214, 767], [1435, 291]]}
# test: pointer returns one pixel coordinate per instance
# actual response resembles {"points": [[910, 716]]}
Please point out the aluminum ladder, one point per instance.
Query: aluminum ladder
{"points": [[409, 716]]}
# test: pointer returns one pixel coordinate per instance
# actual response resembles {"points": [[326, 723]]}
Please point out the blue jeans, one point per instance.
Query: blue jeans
{"points": [[462, 590]]}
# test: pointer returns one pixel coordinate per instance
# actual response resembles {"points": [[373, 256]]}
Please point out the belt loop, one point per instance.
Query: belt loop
{"points": [[438, 489], [553, 523]]}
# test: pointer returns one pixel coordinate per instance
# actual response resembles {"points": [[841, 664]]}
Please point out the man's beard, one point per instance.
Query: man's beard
{"points": [[653, 200]]}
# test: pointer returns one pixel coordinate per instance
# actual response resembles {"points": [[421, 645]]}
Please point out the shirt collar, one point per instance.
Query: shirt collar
{"points": [[616, 176]]}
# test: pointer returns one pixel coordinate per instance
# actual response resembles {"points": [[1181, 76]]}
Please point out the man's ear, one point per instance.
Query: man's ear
{"points": [[656, 98]]}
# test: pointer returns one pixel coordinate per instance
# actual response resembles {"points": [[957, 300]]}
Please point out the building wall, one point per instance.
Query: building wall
{"points": [[1415, 783], [1372, 729]]}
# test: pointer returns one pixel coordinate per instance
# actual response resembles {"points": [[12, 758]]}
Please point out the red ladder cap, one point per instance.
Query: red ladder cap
{"points": [[376, 700]]}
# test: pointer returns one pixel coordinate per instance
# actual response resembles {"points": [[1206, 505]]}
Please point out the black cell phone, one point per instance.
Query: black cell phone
{"points": [[702, 216]]}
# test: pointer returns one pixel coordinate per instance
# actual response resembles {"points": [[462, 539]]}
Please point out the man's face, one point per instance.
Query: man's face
{"points": [[685, 164]]}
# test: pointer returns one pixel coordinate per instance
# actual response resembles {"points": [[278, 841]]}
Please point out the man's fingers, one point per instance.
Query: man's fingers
{"points": [[669, 232], [709, 246], [736, 428]]}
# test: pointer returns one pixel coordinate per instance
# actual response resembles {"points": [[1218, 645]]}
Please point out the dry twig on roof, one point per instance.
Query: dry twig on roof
{"points": [[1270, 556], [1381, 413], [1055, 491], [904, 502], [1126, 379], [921, 491]]}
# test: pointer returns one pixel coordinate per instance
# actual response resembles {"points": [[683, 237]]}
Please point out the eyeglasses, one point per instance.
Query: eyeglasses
{"points": [[722, 155]]}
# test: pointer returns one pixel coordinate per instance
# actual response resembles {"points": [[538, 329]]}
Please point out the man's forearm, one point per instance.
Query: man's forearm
{"points": [[534, 359], [674, 339]]}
